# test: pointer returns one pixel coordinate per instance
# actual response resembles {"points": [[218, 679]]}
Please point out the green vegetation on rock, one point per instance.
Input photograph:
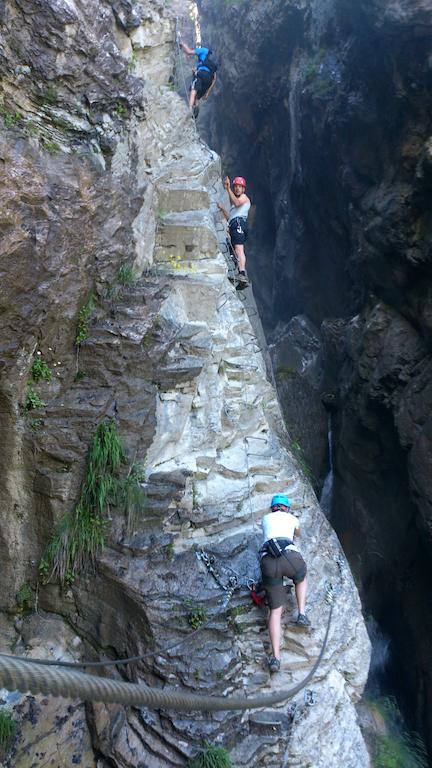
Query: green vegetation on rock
{"points": [[132, 496], [8, 729], [41, 370], [197, 615], [9, 118], [396, 748], [32, 399], [297, 450], [211, 756], [125, 275], [82, 534], [84, 315], [24, 597]]}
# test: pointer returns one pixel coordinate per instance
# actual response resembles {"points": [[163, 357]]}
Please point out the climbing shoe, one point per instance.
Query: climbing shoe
{"points": [[274, 664], [302, 620], [242, 281]]}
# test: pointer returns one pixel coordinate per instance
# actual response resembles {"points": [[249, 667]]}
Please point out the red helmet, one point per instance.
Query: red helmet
{"points": [[240, 180]]}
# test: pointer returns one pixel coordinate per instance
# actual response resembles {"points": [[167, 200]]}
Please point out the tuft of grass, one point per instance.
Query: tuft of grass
{"points": [[41, 370], [132, 496], [80, 375], [8, 728], [83, 324], [210, 756], [32, 399], [80, 536], [125, 275]]}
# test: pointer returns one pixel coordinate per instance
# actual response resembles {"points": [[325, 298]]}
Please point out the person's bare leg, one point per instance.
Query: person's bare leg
{"points": [[301, 591], [274, 628], [241, 258], [192, 98]]}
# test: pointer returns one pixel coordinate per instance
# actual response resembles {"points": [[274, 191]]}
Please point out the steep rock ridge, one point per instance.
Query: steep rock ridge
{"points": [[103, 170], [335, 98]]}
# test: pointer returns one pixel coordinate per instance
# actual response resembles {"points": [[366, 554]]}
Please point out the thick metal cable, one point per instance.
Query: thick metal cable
{"points": [[22, 675]]}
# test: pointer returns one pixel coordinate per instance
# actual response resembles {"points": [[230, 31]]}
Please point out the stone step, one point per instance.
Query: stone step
{"points": [[174, 198], [187, 235]]}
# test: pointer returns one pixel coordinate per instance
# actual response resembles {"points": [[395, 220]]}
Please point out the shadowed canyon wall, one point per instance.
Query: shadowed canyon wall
{"points": [[117, 311], [326, 108]]}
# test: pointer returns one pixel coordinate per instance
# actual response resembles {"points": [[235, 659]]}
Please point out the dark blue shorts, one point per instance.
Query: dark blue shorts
{"points": [[238, 231]]}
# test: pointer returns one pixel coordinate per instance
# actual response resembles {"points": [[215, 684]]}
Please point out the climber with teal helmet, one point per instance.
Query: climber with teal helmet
{"points": [[280, 557], [204, 77]]}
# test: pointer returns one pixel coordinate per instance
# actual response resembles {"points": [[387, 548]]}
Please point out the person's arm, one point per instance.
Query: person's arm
{"points": [[297, 532], [223, 210], [237, 201], [189, 51]]}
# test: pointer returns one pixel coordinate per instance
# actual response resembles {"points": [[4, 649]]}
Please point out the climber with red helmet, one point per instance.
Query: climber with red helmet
{"points": [[237, 222], [281, 558]]}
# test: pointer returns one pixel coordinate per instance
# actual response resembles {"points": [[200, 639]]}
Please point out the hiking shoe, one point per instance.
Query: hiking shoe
{"points": [[242, 280], [274, 664], [302, 620]]}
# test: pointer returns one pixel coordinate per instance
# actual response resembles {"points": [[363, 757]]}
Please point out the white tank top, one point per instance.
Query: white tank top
{"points": [[239, 211], [279, 525]]}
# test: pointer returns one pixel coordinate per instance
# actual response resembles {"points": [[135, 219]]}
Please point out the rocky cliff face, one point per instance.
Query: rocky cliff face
{"points": [[116, 306], [335, 100]]}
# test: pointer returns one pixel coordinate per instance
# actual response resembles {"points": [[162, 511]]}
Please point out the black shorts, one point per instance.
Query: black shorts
{"points": [[273, 569], [238, 231], [201, 83]]}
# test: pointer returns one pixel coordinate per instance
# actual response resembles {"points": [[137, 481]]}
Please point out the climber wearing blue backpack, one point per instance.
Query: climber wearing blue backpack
{"points": [[204, 76]]}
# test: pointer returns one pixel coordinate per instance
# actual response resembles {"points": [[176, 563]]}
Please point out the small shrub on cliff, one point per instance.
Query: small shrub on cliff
{"points": [[210, 756], [32, 399], [84, 315], [8, 729], [197, 615], [41, 370]]}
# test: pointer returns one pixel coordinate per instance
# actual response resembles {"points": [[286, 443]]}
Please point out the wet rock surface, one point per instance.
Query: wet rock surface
{"points": [[339, 116], [109, 203]]}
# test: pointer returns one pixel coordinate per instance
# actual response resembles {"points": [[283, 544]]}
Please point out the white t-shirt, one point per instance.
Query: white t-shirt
{"points": [[279, 525]]}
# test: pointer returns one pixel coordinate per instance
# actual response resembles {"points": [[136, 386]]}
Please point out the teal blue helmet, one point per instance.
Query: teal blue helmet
{"points": [[280, 498]]}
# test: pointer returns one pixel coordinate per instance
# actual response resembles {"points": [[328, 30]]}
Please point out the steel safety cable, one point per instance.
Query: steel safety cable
{"points": [[22, 675]]}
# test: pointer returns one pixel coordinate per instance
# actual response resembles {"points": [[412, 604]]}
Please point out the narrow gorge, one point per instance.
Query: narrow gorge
{"points": [[149, 410]]}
